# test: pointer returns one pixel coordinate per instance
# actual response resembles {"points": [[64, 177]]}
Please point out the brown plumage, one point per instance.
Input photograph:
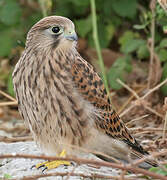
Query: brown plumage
{"points": [[63, 99]]}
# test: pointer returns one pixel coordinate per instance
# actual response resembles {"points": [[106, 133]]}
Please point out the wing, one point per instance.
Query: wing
{"points": [[90, 85]]}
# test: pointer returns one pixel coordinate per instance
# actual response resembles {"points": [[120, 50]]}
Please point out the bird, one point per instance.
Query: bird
{"points": [[63, 99]]}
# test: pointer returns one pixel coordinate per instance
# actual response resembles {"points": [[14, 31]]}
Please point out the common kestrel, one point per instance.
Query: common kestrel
{"points": [[64, 100]]}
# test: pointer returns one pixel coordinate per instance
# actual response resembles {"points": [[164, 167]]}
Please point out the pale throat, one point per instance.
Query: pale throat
{"points": [[67, 45]]}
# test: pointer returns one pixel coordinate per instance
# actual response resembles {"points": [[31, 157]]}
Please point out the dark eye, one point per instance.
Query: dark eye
{"points": [[56, 29]]}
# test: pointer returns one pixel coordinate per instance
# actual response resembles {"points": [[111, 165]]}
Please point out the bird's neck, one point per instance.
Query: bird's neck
{"points": [[40, 58]]}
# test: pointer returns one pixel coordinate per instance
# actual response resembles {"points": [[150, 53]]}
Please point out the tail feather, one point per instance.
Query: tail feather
{"points": [[147, 163], [138, 152], [136, 146]]}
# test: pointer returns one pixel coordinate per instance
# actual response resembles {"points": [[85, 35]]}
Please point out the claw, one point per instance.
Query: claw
{"points": [[73, 164], [39, 165], [43, 165], [33, 166], [44, 170]]}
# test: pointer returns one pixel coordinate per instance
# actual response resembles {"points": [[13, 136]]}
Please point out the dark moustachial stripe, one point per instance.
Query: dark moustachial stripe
{"points": [[51, 68], [55, 41], [55, 44]]}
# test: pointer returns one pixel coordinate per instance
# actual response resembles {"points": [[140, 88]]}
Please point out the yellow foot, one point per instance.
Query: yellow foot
{"points": [[53, 164]]}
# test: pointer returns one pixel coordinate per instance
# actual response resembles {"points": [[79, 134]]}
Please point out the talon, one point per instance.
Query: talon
{"points": [[43, 165], [44, 170], [33, 166], [73, 164], [39, 165]]}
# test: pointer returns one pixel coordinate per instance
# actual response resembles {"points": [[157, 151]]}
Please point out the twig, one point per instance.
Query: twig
{"points": [[7, 129], [153, 111], [13, 139], [165, 123], [152, 6], [8, 103], [150, 91], [155, 88], [146, 129], [86, 161], [129, 100], [97, 45], [126, 110], [125, 104], [163, 4], [141, 133], [128, 88], [8, 96], [151, 156], [140, 99], [34, 177], [137, 119]]}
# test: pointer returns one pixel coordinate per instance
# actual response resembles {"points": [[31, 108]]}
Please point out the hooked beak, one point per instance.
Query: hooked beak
{"points": [[71, 36]]}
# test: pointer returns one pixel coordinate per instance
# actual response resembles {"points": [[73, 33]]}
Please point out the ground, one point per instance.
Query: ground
{"points": [[18, 168]]}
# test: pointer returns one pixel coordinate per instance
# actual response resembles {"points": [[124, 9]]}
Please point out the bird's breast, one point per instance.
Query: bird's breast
{"points": [[49, 102]]}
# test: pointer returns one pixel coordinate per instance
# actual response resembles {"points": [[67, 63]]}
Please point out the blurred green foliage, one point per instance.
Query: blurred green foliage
{"points": [[159, 170], [118, 71], [7, 176], [123, 25]]}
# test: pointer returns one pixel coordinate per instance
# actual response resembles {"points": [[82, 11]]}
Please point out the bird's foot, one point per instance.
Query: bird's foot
{"points": [[53, 164]]}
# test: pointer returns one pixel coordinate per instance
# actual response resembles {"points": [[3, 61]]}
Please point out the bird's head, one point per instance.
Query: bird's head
{"points": [[52, 32]]}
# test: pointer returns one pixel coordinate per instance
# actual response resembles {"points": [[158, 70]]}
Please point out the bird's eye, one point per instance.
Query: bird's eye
{"points": [[55, 29]]}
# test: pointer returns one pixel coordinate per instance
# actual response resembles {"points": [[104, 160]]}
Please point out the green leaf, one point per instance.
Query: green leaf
{"points": [[164, 76], [105, 34], [84, 26], [163, 43], [165, 28], [162, 55], [110, 29], [105, 6], [139, 26], [128, 35], [159, 170], [158, 37], [67, 12], [113, 75], [77, 8], [80, 3], [123, 63], [10, 13], [118, 70], [125, 8], [7, 41], [91, 40], [132, 45], [143, 52]]}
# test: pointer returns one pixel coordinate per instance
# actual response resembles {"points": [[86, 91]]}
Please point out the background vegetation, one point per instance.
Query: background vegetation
{"points": [[123, 26]]}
